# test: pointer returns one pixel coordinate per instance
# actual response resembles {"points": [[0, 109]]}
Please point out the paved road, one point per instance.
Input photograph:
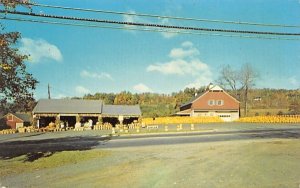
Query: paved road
{"points": [[190, 137], [39, 145]]}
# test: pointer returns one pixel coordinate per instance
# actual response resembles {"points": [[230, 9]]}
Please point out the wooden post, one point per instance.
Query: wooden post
{"points": [[192, 127], [121, 118], [57, 121], [100, 119], [166, 128]]}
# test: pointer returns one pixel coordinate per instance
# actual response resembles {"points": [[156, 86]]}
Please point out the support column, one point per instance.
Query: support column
{"points": [[78, 124], [38, 123], [57, 121], [121, 118], [100, 120]]}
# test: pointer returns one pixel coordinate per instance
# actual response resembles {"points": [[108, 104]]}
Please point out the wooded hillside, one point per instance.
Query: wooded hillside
{"points": [[260, 101]]}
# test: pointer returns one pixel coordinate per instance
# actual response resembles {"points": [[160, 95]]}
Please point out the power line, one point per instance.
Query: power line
{"points": [[167, 17], [149, 24], [145, 29]]}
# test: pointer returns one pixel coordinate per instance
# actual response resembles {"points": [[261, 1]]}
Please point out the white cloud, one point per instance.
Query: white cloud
{"points": [[185, 62], [200, 81], [40, 50], [142, 88], [59, 96], [180, 67], [168, 35], [188, 50], [137, 19], [165, 21], [82, 90], [182, 53], [133, 19], [187, 44], [102, 75], [293, 81]]}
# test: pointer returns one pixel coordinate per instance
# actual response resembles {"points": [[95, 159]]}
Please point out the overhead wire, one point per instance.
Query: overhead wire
{"points": [[145, 29], [166, 17], [149, 24]]}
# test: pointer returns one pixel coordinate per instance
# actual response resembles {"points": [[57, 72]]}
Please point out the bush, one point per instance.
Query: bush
{"points": [[3, 124], [280, 113]]}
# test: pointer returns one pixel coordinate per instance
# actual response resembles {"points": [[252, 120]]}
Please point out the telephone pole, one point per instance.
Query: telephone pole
{"points": [[49, 96]]}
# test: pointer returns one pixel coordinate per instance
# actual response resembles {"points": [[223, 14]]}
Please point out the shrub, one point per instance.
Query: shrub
{"points": [[280, 113]]}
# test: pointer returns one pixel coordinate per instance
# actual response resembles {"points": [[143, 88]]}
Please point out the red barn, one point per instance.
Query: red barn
{"points": [[213, 102], [17, 120]]}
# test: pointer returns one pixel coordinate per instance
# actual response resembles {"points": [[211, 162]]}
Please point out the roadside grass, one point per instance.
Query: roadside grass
{"points": [[19, 165], [234, 164]]}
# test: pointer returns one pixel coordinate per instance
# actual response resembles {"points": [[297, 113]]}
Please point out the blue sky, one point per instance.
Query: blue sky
{"points": [[79, 60]]}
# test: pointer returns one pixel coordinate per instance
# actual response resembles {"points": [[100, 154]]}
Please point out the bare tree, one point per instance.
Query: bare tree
{"points": [[238, 81], [229, 78], [247, 77]]}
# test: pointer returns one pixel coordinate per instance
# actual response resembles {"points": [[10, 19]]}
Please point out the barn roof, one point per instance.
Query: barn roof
{"points": [[79, 106], [192, 100], [24, 117], [68, 106], [121, 110], [212, 88]]}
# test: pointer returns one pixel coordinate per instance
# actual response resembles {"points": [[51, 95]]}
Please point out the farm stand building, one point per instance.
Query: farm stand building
{"points": [[71, 111], [213, 102]]}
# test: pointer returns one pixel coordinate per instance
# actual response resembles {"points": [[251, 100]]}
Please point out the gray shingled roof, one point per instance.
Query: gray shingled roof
{"points": [[68, 106], [24, 117], [121, 110]]}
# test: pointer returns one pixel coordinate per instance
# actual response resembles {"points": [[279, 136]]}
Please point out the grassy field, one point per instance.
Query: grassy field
{"points": [[268, 163], [19, 165]]}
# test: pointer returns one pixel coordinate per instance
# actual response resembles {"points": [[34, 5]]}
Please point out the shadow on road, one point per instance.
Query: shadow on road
{"points": [[35, 149]]}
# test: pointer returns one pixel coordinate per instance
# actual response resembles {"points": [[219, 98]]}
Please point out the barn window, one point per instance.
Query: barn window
{"points": [[220, 102], [211, 102]]}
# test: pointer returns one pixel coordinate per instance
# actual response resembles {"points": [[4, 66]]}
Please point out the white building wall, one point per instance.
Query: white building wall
{"points": [[225, 115]]}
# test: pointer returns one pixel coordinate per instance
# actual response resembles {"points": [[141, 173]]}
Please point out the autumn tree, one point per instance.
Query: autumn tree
{"points": [[16, 84], [12, 4], [294, 107]]}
